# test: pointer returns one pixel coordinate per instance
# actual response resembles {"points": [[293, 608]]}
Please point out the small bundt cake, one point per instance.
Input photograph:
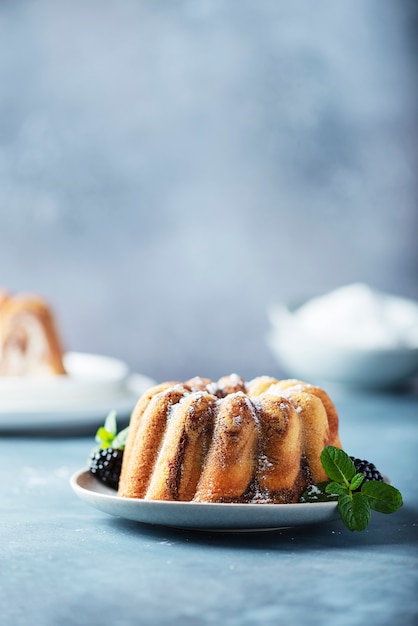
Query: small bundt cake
{"points": [[29, 340], [230, 441]]}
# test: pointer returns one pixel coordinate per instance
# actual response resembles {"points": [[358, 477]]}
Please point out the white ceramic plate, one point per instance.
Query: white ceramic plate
{"points": [[201, 516], [79, 414], [89, 376]]}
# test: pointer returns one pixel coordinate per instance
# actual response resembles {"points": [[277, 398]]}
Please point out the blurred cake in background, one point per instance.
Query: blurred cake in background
{"points": [[29, 340]]}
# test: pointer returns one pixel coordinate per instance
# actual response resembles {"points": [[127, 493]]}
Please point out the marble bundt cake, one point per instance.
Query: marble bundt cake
{"points": [[29, 340], [228, 441]]}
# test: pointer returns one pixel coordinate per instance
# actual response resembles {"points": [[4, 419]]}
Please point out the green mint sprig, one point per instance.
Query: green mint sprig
{"points": [[356, 498], [107, 435]]}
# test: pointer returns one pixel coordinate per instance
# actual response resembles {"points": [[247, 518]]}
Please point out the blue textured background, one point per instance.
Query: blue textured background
{"points": [[169, 169]]}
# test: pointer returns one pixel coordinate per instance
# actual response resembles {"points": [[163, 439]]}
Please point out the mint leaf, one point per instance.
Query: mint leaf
{"points": [[318, 493], [336, 488], [110, 423], [107, 436], [356, 481], [354, 511], [356, 496], [120, 439], [337, 464], [382, 497], [104, 437]]}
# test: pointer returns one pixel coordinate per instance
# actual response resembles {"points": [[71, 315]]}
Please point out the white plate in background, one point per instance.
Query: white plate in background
{"points": [[89, 376], [94, 386], [201, 516]]}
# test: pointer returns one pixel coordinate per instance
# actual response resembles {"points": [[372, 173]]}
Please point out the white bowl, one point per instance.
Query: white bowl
{"points": [[308, 356]]}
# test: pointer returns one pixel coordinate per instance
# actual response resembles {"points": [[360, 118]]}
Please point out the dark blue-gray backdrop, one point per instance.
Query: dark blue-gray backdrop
{"points": [[170, 168]]}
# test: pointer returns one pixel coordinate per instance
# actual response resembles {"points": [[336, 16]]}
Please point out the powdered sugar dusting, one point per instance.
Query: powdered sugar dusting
{"points": [[264, 463], [212, 388]]}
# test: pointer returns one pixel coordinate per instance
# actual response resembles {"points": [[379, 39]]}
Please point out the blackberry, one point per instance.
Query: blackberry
{"points": [[105, 462], [368, 469], [106, 465]]}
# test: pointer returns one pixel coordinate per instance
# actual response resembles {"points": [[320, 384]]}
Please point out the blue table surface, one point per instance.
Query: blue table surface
{"points": [[65, 563]]}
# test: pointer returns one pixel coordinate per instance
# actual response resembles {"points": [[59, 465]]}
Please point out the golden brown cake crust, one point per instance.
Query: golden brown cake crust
{"points": [[231, 461], [228, 441], [25, 320]]}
